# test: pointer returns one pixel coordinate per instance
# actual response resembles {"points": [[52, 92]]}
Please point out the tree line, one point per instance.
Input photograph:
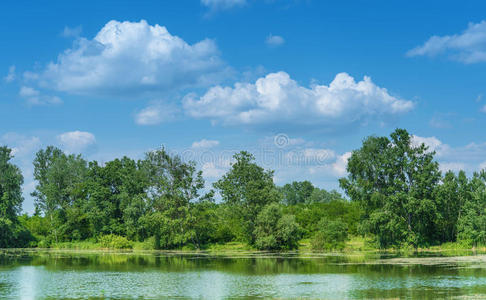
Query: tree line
{"points": [[396, 196]]}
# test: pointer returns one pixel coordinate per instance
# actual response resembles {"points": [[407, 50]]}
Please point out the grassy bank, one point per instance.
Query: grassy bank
{"points": [[354, 246]]}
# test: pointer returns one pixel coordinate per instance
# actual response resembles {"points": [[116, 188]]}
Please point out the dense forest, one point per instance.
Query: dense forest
{"points": [[395, 196]]}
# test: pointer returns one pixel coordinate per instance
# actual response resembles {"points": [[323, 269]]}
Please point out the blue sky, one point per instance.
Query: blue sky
{"points": [[298, 83]]}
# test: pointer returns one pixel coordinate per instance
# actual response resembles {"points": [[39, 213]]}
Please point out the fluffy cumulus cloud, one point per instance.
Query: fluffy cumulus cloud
{"points": [[274, 40], [155, 113], [129, 59], [222, 4], [341, 163], [470, 158], [467, 47], [433, 144], [205, 144], [276, 98], [76, 141], [333, 169]]}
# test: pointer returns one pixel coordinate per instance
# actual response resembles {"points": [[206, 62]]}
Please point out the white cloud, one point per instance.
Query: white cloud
{"points": [[26, 91], [274, 40], [130, 59], [222, 4], [205, 144], [71, 31], [211, 170], [452, 166], [34, 97], [482, 165], [155, 113], [11, 74], [470, 158], [467, 47], [433, 143], [21, 145], [76, 141], [339, 167], [310, 156], [277, 99]]}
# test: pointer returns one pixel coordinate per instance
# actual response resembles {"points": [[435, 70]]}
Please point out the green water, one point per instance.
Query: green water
{"points": [[69, 275]]}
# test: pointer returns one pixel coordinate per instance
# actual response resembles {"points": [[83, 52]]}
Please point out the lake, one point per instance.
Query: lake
{"points": [[160, 275]]}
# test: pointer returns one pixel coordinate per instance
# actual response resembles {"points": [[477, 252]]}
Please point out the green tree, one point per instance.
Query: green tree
{"points": [[297, 192], [451, 196], [323, 196], [275, 231], [247, 188], [173, 184], [394, 181], [60, 180], [331, 235], [11, 180], [115, 197], [471, 224]]}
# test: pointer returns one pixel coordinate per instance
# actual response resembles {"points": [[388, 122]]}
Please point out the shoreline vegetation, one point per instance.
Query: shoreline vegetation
{"points": [[354, 245], [397, 201]]}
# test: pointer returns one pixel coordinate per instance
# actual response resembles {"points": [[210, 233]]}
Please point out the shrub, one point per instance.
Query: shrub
{"points": [[275, 231], [112, 241], [331, 235]]}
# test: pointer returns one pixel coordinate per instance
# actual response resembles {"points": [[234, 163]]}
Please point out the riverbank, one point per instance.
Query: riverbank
{"points": [[356, 246]]}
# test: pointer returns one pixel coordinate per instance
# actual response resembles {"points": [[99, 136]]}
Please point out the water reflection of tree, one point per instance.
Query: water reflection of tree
{"points": [[248, 265]]}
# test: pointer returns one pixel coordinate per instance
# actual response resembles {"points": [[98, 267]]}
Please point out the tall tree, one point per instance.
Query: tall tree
{"points": [[173, 184], [297, 192], [471, 225], [394, 181], [113, 189], [247, 188], [11, 181], [60, 179], [451, 195]]}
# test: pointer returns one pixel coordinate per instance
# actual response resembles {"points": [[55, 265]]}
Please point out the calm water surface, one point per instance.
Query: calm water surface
{"points": [[71, 275]]}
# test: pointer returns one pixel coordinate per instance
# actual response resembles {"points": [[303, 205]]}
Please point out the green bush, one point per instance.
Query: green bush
{"points": [[147, 244], [331, 235], [112, 241], [275, 231]]}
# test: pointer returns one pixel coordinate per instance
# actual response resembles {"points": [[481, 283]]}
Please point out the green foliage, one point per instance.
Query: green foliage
{"points": [[471, 225], [323, 196], [451, 195], [308, 216], [394, 181], [303, 192], [331, 235], [397, 196], [11, 181], [173, 185], [275, 231], [112, 241], [247, 188], [12, 234], [297, 192]]}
